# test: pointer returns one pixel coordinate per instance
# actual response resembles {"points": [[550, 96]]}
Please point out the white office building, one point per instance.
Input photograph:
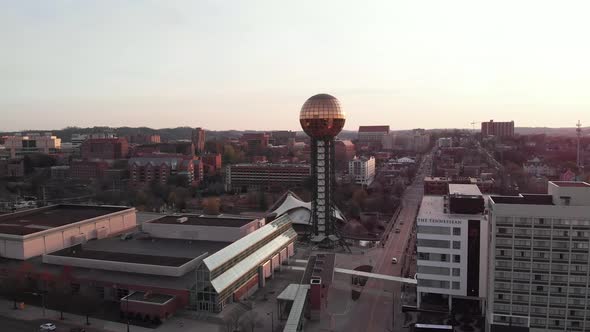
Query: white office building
{"points": [[362, 170], [20, 145], [539, 260], [452, 236]]}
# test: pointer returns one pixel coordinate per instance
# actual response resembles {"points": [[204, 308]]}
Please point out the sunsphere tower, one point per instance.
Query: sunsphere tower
{"points": [[322, 119]]}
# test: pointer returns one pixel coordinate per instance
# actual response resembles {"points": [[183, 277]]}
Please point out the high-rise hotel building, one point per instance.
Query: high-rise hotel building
{"points": [[539, 260], [452, 247]]}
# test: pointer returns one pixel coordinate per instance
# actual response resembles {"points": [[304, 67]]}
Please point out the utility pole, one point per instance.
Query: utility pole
{"points": [[272, 320], [579, 134], [128, 311]]}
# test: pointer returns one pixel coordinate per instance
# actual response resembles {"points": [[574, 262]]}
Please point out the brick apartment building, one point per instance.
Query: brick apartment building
{"points": [[498, 129], [105, 148], [158, 168]]}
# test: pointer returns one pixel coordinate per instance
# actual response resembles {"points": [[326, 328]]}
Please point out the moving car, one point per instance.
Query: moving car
{"points": [[48, 327], [394, 260]]}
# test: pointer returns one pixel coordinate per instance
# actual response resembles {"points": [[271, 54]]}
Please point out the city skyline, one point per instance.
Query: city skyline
{"points": [[238, 66]]}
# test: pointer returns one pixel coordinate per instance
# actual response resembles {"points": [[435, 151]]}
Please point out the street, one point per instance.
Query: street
{"points": [[373, 310], [16, 325], [9, 324]]}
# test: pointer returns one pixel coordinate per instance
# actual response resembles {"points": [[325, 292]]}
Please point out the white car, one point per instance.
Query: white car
{"points": [[48, 327], [394, 260]]}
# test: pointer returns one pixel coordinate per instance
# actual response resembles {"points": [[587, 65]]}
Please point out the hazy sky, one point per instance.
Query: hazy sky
{"points": [[251, 64]]}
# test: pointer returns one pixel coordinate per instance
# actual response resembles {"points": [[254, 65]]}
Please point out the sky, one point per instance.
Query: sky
{"points": [[252, 64]]}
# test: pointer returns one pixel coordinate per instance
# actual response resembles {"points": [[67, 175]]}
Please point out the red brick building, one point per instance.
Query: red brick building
{"points": [[105, 148], [144, 139], [87, 170], [255, 141], [344, 151], [198, 140], [183, 148], [211, 163]]}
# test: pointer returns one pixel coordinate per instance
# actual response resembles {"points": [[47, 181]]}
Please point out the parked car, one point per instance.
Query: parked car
{"points": [[48, 327], [397, 230], [394, 260]]}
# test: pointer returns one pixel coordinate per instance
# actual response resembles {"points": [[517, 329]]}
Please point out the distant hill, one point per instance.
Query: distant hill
{"points": [[571, 131], [183, 133]]}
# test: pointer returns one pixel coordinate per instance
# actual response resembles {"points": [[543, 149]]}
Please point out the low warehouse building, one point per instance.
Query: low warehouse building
{"points": [[39, 231], [200, 262]]}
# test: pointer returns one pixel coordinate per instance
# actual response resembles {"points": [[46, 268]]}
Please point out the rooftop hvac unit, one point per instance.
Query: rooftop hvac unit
{"points": [[182, 220], [77, 239]]}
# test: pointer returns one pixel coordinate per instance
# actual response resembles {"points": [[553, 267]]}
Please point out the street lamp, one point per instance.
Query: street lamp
{"points": [[127, 311], [272, 320]]}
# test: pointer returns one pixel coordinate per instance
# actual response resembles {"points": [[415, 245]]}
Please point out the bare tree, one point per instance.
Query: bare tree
{"points": [[87, 303], [212, 205]]}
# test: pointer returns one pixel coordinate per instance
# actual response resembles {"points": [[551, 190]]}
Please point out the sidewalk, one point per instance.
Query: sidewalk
{"points": [[32, 313]]}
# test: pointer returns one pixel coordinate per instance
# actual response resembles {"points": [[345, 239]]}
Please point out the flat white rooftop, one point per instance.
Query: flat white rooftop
{"points": [[464, 189], [433, 207]]}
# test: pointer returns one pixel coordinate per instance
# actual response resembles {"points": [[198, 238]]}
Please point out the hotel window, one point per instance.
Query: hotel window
{"points": [[438, 230], [456, 285], [433, 243], [456, 259], [456, 231], [456, 272], [456, 245]]}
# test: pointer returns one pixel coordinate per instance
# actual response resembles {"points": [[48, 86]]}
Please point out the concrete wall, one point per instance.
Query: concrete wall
{"points": [[578, 195], [152, 310], [47, 241], [451, 223], [199, 232], [247, 289], [171, 271]]}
